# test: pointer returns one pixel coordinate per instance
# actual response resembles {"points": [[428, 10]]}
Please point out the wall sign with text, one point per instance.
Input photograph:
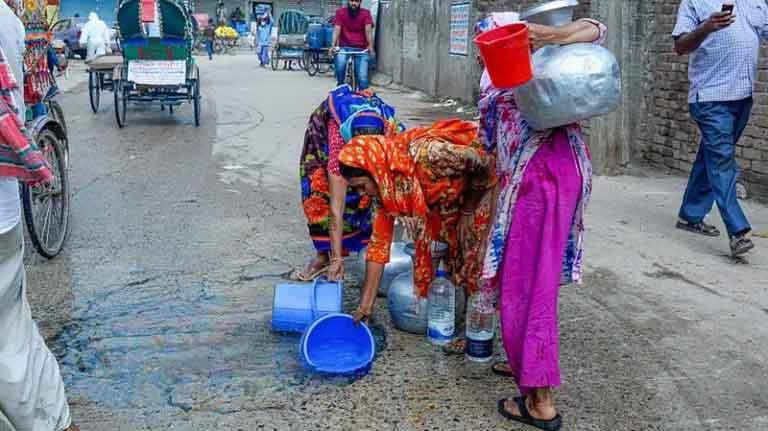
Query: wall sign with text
{"points": [[459, 28]]}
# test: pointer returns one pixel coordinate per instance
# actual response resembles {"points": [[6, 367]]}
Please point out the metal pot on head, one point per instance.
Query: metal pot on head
{"points": [[553, 13]]}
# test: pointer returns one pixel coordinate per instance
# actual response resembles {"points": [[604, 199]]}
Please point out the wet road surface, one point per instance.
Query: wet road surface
{"points": [[159, 307]]}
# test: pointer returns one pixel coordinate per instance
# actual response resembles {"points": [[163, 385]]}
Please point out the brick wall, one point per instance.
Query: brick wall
{"points": [[671, 138]]}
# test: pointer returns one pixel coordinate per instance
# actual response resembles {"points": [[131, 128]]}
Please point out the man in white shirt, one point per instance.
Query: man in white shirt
{"points": [[31, 389]]}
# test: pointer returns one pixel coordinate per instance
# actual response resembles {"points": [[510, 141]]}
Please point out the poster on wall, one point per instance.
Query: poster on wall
{"points": [[459, 28]]}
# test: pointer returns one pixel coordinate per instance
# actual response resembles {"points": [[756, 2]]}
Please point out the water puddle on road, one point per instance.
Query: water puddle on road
{"points": [[180, 341]]}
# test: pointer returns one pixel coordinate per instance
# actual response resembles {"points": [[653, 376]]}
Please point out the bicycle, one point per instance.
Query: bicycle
{"points": [[351, 70], [46, 207]]}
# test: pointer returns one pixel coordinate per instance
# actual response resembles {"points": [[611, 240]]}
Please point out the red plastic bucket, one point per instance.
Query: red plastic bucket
{"points": [[506, 52]]}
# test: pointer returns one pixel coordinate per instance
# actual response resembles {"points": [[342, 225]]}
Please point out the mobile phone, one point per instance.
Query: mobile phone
{"points": [[728, 8]]}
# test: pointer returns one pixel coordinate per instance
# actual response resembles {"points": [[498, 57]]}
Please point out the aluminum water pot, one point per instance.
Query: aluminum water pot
{"points": [[399, 262], [407, 311], [570, 84]]}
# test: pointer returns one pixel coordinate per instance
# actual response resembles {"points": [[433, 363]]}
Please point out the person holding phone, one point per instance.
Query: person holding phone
{"points": [[723, 40]]}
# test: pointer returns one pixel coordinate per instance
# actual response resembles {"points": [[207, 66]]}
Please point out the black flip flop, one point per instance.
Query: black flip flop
{"points": [[525, 417], [700, 228], [499, 372]]}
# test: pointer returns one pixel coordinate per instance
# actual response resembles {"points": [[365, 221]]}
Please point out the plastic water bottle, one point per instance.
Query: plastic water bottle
{"points": [[441, 308], [480, 328]]}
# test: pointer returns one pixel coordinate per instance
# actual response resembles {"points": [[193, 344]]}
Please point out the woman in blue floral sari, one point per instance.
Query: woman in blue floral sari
{"points": [[339, 219]]}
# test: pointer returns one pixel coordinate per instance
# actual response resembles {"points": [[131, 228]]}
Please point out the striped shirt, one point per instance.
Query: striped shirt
{"points": [[724, 67]]}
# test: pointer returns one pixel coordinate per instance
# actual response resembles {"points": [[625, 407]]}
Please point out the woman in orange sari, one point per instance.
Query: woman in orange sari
{"points": [[439, 180]]}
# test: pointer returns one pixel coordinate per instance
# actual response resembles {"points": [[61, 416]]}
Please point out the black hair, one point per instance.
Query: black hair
{"points": [[349, 172], [362, 131]]}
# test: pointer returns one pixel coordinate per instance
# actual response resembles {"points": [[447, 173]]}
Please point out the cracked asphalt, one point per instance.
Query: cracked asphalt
{"points": [[159, 307]]}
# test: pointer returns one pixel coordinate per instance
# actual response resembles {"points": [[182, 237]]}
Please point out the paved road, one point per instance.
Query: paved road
{"points": [[159, 308]]}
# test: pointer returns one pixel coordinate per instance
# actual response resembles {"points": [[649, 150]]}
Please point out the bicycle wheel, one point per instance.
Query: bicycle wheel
{"points": [[94, 91], [57, 113], [351, 78], [46, 207]]}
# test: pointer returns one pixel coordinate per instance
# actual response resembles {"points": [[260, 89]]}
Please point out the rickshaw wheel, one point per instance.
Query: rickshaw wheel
{"points": [[94, 91], [196, 101], [310, 61], [120, 104]]}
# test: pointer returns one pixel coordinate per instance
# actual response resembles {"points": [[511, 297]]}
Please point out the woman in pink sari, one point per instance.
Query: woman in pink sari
{"points": [[535, 241]]}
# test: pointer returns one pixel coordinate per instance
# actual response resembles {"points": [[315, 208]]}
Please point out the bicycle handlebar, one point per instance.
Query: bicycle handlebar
{"points": [[341, 51]]}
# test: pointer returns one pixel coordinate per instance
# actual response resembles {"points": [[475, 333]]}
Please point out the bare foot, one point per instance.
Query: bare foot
{"points": [[320, 261]]}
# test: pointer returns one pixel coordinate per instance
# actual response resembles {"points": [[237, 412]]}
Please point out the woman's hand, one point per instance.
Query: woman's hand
{"points": [[336, 269], [363, 313], [414, 226], [541, 35], [575, 32]]}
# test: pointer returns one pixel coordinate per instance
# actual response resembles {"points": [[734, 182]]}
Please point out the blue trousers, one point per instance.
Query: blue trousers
{"points": [[714, 174], [264, 54], [361, 66], [209, 49]]}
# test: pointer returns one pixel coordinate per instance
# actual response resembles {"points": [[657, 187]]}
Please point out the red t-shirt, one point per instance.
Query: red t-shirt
{"points": [[353, 28]]}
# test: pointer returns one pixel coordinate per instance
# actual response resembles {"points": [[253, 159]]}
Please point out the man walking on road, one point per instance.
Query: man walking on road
{"points": [[724, 43], [353, 33], [264, 35], [31, 389], [209, 34]]}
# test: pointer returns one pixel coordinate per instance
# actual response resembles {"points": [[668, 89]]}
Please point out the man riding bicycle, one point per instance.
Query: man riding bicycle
{"points": [[353, 33]]}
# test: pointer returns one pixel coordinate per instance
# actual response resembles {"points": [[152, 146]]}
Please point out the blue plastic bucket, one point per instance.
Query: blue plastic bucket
{"points": [[296, 305], [315, 36], [333, 345]]}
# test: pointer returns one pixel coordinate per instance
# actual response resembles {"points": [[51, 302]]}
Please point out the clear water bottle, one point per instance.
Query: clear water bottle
{"points": [[441, 307], [480, 328]]}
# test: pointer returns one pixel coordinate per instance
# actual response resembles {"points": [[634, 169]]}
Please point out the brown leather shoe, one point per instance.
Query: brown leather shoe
{"points": [[73, 427]]}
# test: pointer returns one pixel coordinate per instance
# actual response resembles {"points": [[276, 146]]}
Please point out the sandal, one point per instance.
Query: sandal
{"points": [[501, 369], [525, 417], [300, 275], [700, 228], [456, 347]]}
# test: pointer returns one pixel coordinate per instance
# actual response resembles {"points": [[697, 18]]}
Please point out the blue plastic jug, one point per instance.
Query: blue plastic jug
{"points": [[296, 305], [327, 35], [315, 36]]}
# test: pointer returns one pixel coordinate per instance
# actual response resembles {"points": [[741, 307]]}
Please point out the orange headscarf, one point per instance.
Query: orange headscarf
{"points": [[387, 158], [389, 163]]}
